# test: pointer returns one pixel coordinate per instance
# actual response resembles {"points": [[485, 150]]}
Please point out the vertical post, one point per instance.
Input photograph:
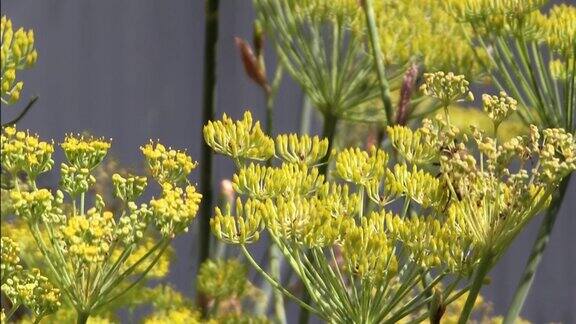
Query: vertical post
{"points": [[208, 104]]}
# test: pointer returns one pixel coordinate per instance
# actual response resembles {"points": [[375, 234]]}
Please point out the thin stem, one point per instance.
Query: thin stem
{"points": [[273, 282], [481, 272], [306, 118], [275, 270], [22, 113], [11, 312], [378, 59], [271, 99], [447, 114], [138, 280], [328, 132], [210, 46], [536, 255]]}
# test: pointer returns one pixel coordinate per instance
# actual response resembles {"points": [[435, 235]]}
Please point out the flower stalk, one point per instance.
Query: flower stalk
{"points": [[208, 104], [378, 59], [542, 240]]}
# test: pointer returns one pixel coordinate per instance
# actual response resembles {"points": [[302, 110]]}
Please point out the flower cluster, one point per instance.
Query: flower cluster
{"points": [[167, 165], [25, 152], [262, 182], [25, 287], [560, 27], [32, 289], [499, 107], [242, 228], [85, 152], [368, 250], [128, 188], [459, 209], [357, 166], [531, 54], [519, 17], [446, 87], [327, 55], [17, 53], [303, 150], [95, 255], [424, 31], [88, 237], [416, 147], [175, 210], [9, 251], [240, 140]]}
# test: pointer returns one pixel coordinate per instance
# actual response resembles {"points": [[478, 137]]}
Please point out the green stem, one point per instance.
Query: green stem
{"points": [[11, 312], [329, 129], [210, 45], [82, 317], [328, 132], [481, 272], [271, 99], [273, 282], [536, 255], [275, 270], [306, 118], [378, 59]]}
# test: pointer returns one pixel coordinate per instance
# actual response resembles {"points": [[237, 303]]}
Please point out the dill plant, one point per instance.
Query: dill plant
{"points": [[361, 262], [93, 256], [531, 54]]}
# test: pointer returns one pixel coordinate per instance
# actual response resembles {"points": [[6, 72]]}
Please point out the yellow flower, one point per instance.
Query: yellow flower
{"points": [[243, 228], [17, 53], [239, 139], [85, 152], [175, 210], [22, 151], [167, 165]]}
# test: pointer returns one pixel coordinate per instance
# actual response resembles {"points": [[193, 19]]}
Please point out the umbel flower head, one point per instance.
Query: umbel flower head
{"points": [[167, 165], [85, 152], [25, 287], [423, 31], [91, 246], [560, 29], [25, 152], [446, 87], [17, 53], [319, 45], [175, 210], [458, 209], [500, 107], [304, 150], [242, 228], [519, 17], [531, 54], [9, 252], [240, 140], [30, 288]]}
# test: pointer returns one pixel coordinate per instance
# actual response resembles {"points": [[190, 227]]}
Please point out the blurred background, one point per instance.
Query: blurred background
{"points": [[132, 70]]}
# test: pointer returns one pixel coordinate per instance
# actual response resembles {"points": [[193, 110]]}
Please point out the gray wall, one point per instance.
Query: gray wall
{"points": [[132, 70]]}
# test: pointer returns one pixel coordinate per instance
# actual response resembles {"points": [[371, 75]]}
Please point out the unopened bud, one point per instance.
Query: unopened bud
{"points": [[252, 66]]}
